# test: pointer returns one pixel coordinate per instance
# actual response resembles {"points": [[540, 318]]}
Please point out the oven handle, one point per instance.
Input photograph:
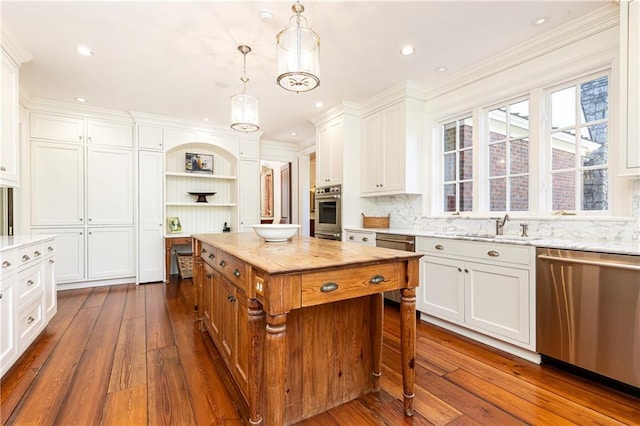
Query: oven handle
{"points": [[327, 235], [327, 197]]}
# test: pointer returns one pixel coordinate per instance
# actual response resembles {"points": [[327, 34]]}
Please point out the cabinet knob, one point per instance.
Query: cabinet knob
{"points": [[209, 276], [365, 239], [351, 237], [36, 253], [466, 270], [49, 248], [223, 263], [30, 320], [211, 255], [236, 273], [51, 261], [0, 295], [30, 283], [459, 269], [80, 138]]}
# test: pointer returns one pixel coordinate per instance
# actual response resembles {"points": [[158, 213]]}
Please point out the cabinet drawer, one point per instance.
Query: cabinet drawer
{"points": [[49, 248], [233, 269], [209, 254], [329, 286], [29, 254], [29, 284], [478, 250], [30, 321], [9, 262], [366, 238]]}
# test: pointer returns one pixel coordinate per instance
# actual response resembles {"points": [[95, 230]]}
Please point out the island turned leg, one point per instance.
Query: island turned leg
{"points": [[256, 331], [377, 313], [275, 369], [408, 345]]}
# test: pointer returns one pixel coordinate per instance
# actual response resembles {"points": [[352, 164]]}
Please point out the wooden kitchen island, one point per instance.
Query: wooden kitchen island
{"points": [[299, 324]]}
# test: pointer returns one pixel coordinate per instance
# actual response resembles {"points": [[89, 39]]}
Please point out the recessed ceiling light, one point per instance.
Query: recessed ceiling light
{"points": [[84, 51], [407, 50], [205, 119], [319, 104], [293, 133], [266, 15], [81, 100], [541, 20], [441, 69]]}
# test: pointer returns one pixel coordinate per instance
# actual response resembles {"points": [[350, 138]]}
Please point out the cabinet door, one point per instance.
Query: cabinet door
{"points": [[109, 186], [109, 133], [441, 290], [218, 300], [9, 144], [150, 211], [150, 137], [242, 355], [8, 346], [329, 154], [207, 298], [229, 320], [49, 284], [371, 154], [394, 148], [497, 300], [57, 128], [248, 185], [57, 184], [110, 252], [69, 259], [249, 149]]}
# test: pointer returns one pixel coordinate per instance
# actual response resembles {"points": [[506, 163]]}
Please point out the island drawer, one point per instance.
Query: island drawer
{"points": [[29, 254], [340, 284], [234, 269], [209, 254]]}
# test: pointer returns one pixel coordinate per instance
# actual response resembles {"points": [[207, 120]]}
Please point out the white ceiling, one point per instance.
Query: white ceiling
{"points": [[170, 58]]}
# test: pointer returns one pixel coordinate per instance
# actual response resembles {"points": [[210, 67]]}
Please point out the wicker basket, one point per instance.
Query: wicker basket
{"points": [[375, 222], [185, 264]]}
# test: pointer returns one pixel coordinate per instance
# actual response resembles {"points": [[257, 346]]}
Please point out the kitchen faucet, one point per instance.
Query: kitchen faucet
{"points": [[500, 224]]}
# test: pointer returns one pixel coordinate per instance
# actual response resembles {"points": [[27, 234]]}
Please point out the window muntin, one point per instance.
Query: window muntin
{"points": [[508, 146], [457, 165], [578, 140]]}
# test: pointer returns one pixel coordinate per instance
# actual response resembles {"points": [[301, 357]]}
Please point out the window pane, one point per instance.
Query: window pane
{"points": [[498, 159], [450, 167], [498, 195], [466, 164], [466, 196], [449, 204], [466, 132], [519, 120], [563, 191], [497, 125], [595, 190], [563, 108], [449, 136], [519, 154], [594, 100], [519, 193], [563, 151], [593, 145]]}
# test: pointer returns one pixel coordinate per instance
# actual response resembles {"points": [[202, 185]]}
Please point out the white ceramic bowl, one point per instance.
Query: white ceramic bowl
{"points": [[275, 232]]}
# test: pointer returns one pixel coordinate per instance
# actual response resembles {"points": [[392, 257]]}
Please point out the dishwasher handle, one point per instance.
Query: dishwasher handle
{"points": [[591, 262], [390, 240]]}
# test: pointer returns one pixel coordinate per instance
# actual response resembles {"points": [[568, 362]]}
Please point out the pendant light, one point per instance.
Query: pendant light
{"points": [[298, 54], [244, 108]]}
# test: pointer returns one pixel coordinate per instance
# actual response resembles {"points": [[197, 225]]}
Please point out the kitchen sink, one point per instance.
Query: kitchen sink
{"points": [[515, 238]]}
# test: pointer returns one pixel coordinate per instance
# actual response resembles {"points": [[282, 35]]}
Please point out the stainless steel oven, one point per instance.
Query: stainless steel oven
{"points": [[329, 212]]}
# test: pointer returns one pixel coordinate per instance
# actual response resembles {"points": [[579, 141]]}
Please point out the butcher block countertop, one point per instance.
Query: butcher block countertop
{"points": [[300, 254]]}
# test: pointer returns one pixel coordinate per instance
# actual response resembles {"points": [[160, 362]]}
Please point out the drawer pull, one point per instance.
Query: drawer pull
{"points": [[231, 298], [376, 279], [351, 237], [493, 253], [365, 239], [49, 248], [439, 247], [236, 273], [223, 263], [203, 251], [209, 276], [51, 261], [0, 295], [30, 283], [211, 255], [25, 258], [459, 269], [6, 264], [328, 287], [30, 320], [36, 253]]}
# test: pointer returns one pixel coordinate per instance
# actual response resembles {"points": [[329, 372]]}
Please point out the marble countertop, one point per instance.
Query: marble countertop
{"points": [[601, 246], [16, 241]]}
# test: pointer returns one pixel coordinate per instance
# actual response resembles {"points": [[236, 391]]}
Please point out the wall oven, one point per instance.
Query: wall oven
{"points": [[328, 223]]}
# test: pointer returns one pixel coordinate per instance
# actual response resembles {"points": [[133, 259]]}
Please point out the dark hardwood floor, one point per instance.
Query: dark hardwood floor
{"points": [[133, 355]]}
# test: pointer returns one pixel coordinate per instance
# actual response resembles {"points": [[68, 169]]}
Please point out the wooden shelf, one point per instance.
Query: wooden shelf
{"points": [[202, 204], [199, 176]]}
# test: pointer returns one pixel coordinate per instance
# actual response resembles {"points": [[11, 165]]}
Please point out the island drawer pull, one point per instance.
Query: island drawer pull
{"points": [[209, 276], [328, 287], [493, 253], [30, 320], [211, 255], [30, 283], [377, 279], [439, 247], [223, 263], [203, 251], [25, 258], [6, 264], [236, 273], [36, 253], [231, 298]]}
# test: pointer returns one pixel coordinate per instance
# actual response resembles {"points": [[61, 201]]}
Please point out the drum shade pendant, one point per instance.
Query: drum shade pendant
{"points": [[244, 108], [298, 54]]}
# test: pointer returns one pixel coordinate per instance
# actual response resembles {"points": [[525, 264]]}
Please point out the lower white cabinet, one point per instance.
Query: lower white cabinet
{"points": [[110, 252], [150, 217], [485, 287], [70, 258], [8, 343], [366, 238]]}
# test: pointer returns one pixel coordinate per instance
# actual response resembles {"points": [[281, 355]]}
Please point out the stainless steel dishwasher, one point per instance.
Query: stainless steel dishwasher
{"points": [[588, 311], [397, 242]]}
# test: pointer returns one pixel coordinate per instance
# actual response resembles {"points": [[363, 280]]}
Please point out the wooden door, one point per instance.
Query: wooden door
{"points": [[285, 193], [228, 331], [150, 214]]}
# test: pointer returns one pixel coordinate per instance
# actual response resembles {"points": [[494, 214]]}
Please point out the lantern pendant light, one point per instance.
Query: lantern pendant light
{"points": [[298, 55], [244, 108]]}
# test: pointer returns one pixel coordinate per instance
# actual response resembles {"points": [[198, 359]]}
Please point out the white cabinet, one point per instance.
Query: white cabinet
{"points": [[49, 279], [329, 153], [150, 137], [70, 248], [249, 195], [109, 133], [248, 149], [366, 238], [8, 342], [63, 128], [9, 143], [150, 220], [630, 87], [109, 186], [110, 252], [391, 150], [485, 287]]}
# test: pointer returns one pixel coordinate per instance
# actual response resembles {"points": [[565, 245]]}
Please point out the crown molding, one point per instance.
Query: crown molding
{"points": [[599, 20], [86, 111], [12, 47], [342, 108], [393, 95]]}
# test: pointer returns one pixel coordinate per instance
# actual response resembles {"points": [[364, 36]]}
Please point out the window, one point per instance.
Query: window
{"points": [[508, 144], [578, 139], [457, 165]]}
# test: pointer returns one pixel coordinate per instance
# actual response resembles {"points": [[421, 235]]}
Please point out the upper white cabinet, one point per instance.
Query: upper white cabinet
{"points": [[150, 137], [630, 87], [248, 149], [79, 130], [109, 186], [329, 153], [391, 149], [9, 145], [109, 133]]}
